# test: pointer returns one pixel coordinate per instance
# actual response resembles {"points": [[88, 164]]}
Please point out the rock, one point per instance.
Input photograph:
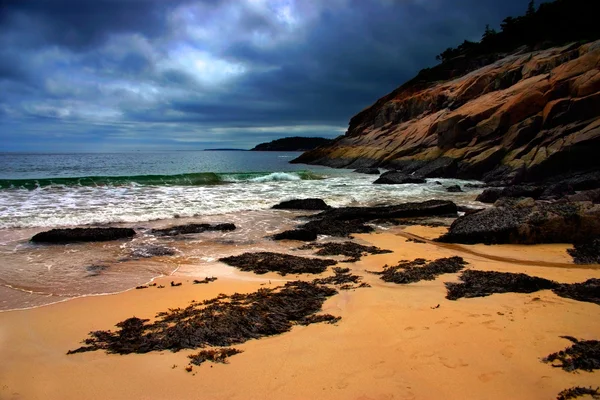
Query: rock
{"points": [[303, 235], [492, 194], [586, 195], [515, 223], [454, 189], [504, 119], [332, 227], [439, 208], [192, 228], [82, 235], [368, 171], [302, 204], [397, 178]]}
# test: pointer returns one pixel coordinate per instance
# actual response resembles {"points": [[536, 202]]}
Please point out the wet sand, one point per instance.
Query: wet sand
{"points": [[392, 341]]}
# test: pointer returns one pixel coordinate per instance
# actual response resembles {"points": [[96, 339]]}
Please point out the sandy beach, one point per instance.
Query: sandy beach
{"points": [[393, 341]]}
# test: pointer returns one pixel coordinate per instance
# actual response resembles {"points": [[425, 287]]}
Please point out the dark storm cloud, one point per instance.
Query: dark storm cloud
{"points": [[188, 72]]}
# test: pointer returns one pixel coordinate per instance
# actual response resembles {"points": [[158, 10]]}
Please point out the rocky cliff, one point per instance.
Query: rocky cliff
{"points": [[527, 116]]}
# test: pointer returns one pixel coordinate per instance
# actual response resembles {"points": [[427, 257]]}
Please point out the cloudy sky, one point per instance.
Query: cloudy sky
{"points": [[121, 75]]}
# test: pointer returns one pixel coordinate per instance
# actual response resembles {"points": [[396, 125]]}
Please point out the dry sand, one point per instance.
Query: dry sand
{"points": [[392, 343]]}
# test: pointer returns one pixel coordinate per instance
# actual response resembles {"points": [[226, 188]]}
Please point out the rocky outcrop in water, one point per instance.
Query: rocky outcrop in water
{"points": [[528, 116], [302, 204], [82, 235], [527, 222], [398, 178], [192, 228]]}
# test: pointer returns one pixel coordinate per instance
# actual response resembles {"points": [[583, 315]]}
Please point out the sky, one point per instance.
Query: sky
{"points": [[131, 75]]}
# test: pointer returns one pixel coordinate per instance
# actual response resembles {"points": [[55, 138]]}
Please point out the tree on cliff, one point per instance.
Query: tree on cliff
{"points": [[553, 23]]}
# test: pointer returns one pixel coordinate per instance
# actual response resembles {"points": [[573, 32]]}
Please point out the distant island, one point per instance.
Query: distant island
{"points": [[295, 143]]}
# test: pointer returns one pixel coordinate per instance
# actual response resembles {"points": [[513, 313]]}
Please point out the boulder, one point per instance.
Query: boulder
{"points": [[527, 222], [398, 178], [302, 204], [431, 208], [492, 194], [192, 228], [74, 235]]}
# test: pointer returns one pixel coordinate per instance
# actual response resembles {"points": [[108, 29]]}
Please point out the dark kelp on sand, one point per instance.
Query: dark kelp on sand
{"points": [[343, 279], [214, 355], [420, 269], [192, 228], [219, 322], [583, 355], [578, 391], [263, 262], [485, 283], [349, 249], [587, 252]]}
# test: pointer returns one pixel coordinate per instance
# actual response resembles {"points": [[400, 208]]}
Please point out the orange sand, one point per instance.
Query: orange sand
{"points": [[390, 343]]}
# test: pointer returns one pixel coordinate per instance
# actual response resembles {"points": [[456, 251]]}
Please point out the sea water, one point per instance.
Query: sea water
{"points": [[149, 190]]}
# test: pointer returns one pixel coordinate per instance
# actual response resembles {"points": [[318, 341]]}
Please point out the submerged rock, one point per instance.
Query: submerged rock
{"points": [[527, 223], [74, 235], [152, 251], [192, 228], [302, 204], [398, 178], [263, 262], [490, 195], [303, 235]]}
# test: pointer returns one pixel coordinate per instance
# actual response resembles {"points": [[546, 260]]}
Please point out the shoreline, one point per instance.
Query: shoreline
{"points": [[390, 342]]}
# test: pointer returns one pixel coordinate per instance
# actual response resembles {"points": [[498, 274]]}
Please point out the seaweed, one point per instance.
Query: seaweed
{"points": [[205, 280], [263, 262], [586, 252], [485, 283], [583, 355], [219, 322], [192, 228], [315, 319], [214, 355], [152, 251], [588, 291], [342, 278], [578, 391], [419, 270], [350, 249]]}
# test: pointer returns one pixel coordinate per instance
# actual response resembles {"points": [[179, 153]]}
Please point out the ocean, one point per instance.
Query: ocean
{"points": [[146, 190]]}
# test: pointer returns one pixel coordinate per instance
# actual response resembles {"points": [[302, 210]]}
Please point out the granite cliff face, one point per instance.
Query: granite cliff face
{"points": [[528, 116]]}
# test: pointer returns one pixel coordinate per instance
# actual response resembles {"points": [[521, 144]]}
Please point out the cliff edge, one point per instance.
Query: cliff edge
{"points": [[525, 117]]}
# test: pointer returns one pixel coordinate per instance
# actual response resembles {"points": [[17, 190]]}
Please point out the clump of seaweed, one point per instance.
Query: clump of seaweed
{"points": [[578, 391], [219, 322], [588, 291], [349, 249], [485, 283], [419, 270], [205, 280], [317, 318], [214, 355], [586, 252], [343, 279], [582, 355], [263, 262]]}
